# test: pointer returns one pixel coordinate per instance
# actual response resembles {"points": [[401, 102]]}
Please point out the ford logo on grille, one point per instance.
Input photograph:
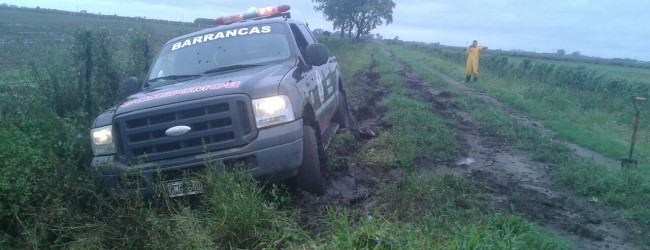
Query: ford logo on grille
{"points": [[177, 130]]}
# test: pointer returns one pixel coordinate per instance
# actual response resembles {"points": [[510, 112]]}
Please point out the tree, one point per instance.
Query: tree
{"points": [[561, 52], [337, 11], [359, 15], [575, 53], [372, 13]]}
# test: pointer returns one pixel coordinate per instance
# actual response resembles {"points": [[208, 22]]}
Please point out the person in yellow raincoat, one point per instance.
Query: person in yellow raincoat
{"points": [[471, 68]]}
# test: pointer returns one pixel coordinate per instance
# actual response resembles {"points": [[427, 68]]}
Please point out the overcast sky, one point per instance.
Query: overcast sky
{"points": [[603, 28]]}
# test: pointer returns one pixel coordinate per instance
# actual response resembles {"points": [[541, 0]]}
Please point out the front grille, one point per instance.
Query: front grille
{"points": [[216, 123]]}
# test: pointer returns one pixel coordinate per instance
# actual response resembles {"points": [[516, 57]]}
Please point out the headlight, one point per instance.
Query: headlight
{"points": [[102, 140], [272, 110]]}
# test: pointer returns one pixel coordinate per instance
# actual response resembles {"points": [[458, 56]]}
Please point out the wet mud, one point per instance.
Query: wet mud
{"points": [[510, 181], [515, 184]]}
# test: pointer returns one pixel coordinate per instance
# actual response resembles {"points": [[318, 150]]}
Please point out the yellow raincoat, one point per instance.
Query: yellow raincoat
{"points": [[471, 68]]}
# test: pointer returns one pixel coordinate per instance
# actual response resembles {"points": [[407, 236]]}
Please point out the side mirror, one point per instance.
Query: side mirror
{"points": [[132, 86], [316, 54]]}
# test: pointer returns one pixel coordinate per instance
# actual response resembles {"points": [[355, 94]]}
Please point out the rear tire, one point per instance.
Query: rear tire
{"points": [[309, 176]]}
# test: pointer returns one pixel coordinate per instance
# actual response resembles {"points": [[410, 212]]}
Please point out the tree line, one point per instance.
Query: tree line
{"points": [[360, 16]]}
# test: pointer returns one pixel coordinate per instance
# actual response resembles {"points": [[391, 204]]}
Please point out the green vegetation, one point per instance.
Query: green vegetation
{"points": [[435, 212], [40, 36], [48, 199], [583, 106], [438, 211], [640, 73], [340, 150], [400, 146], [234, 212]]}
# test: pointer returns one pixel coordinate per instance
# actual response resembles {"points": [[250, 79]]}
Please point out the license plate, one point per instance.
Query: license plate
{"points": [[185, 187]]}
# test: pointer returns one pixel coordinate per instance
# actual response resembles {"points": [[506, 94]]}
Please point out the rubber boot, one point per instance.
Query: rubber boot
{"points": [[475, 78], [467, 78]]}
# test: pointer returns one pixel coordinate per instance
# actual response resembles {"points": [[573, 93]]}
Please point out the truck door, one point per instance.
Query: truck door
{"points": [[319, 79]]}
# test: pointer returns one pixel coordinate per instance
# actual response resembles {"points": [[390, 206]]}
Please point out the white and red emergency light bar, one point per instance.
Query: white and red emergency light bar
{"points": [[266, 12]]}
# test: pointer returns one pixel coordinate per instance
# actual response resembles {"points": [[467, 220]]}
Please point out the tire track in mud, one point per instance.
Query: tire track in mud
{"points": [[353, 185], [527, 120], [512, 181]]}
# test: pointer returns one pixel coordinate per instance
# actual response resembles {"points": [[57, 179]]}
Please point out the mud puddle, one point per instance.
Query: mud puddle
{"points": [[512, 181]]}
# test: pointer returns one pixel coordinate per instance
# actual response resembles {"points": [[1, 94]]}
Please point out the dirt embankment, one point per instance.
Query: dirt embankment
{"points": [[512, 181]]}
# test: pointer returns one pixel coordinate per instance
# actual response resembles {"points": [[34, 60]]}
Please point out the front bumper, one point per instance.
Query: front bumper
{"points": [[275, 155]]}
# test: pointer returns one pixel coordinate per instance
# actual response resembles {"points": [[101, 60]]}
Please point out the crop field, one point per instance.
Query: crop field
{"points": [[36, 37], [640, 74], [433, 163]]}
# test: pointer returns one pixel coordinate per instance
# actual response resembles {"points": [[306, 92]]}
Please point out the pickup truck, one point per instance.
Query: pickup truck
{"points": [[256, 90]]}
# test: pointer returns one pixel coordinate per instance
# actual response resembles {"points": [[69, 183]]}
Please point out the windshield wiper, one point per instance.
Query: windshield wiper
{"points": [[170, 77], [232, 67]]}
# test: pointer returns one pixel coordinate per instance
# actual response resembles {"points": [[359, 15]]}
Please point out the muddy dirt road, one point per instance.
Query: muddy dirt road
{"points": [[515, 182], [512, 181]]}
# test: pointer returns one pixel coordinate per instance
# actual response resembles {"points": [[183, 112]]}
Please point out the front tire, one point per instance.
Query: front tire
{"points": [[309, 176]]}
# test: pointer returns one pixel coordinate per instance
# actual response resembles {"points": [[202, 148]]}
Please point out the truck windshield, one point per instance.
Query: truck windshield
{"points": [[223, 50]]}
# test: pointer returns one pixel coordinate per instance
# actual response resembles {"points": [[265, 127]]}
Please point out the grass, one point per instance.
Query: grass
{"points": [[340, 149], [351, 64], [594, 120], [599, 121], [424, 210], [400, 146], [57, 204], [235, 211], [434, 212], [435, 139]]}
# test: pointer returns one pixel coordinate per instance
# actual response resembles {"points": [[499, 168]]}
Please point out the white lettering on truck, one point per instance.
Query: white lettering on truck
{"points": [[219, 35], [215, 86]]}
